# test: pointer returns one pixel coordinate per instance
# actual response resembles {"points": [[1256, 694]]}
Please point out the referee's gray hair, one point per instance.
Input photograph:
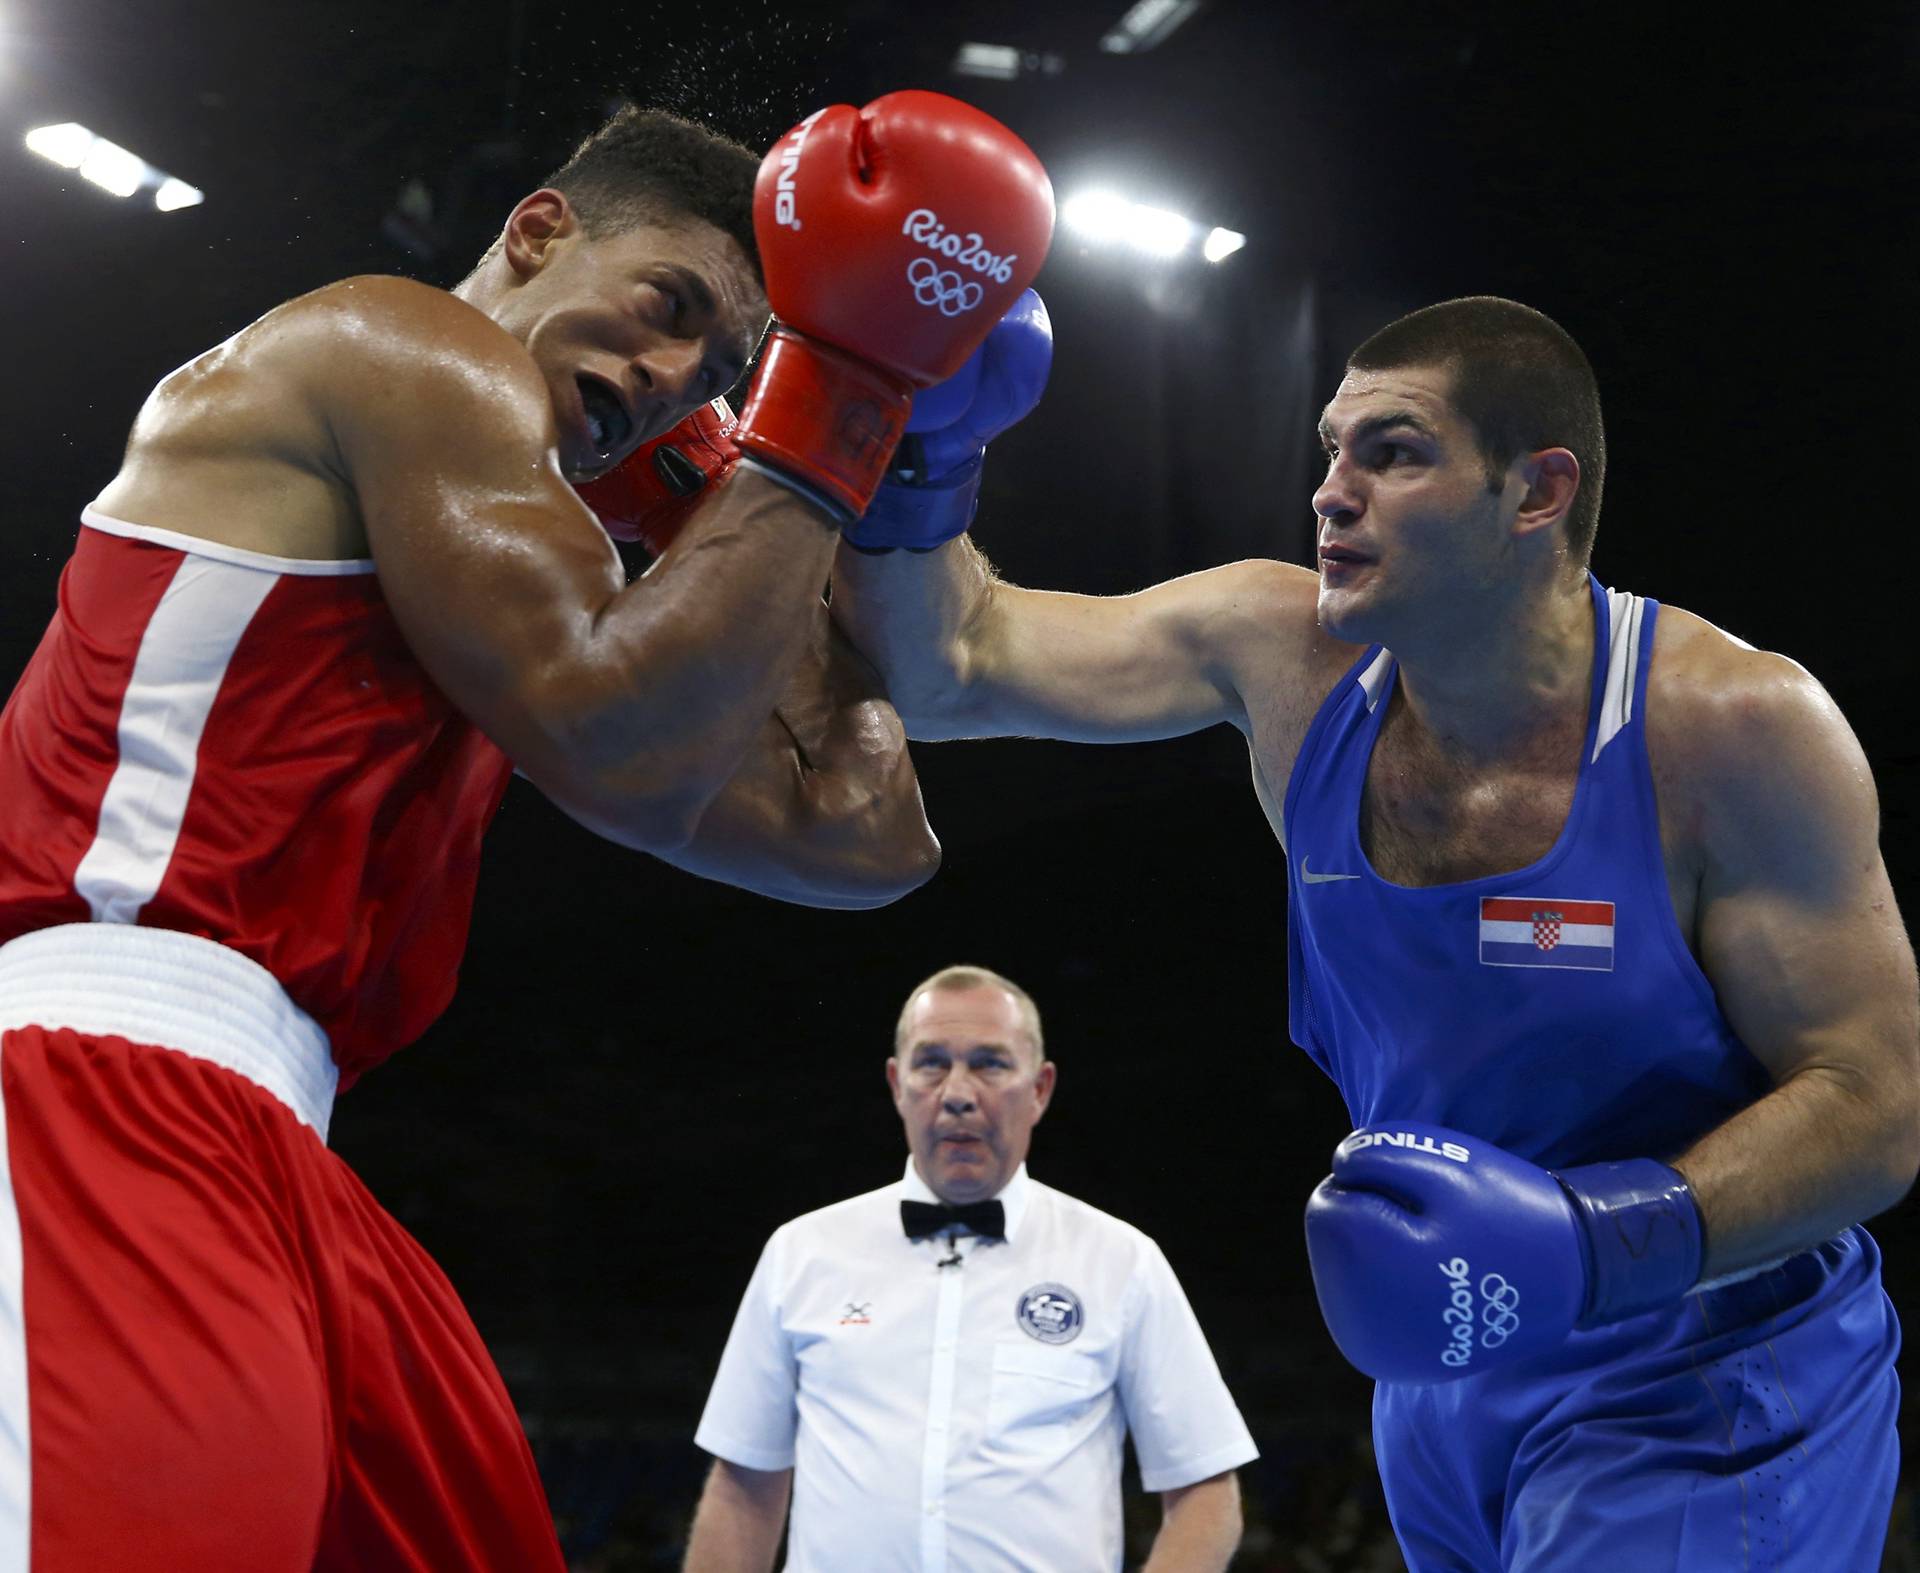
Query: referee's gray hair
{"points": [[960, 977]]}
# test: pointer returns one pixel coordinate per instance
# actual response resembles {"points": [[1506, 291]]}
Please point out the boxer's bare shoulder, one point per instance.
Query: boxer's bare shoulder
{"points": [[1754, 767], [1287, 663], [242, 444]]}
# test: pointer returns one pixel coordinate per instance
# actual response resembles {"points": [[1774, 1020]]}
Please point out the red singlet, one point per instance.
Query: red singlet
{"points": [[239, 834], [243, 747]]}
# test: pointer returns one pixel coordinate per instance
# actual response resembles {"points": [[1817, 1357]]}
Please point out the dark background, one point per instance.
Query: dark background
{"points": [[644, 1074]]}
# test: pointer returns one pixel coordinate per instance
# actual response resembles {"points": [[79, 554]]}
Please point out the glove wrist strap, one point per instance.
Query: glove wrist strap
{"points": [[920, 517], [826, 418], [1641, 1232]]}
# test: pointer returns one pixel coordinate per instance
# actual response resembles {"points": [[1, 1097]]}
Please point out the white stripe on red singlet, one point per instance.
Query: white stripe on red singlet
{"points": [[183, 657]]}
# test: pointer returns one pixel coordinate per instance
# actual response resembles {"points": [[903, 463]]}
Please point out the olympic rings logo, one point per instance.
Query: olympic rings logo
{"points": [[1500, 1312], [936, 286]]}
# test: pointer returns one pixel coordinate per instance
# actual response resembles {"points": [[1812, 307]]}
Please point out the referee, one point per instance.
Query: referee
{"points": [[941, 1373]]}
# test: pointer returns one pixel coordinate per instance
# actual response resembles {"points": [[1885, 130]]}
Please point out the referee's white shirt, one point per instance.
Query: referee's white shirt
{"points": [[967, 1418]]}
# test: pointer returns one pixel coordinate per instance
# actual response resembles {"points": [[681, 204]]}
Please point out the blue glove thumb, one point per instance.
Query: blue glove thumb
{"points": [[931, 491]]}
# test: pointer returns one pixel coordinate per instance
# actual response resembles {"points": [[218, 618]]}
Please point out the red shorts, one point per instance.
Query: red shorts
{"points": [[217, 1351]]}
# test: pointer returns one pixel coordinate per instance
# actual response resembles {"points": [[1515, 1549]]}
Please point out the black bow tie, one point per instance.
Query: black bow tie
{"points": [[921, 1219]]}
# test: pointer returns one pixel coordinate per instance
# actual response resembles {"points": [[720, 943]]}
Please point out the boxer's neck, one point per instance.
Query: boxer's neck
{"points": [[1492, 679]]}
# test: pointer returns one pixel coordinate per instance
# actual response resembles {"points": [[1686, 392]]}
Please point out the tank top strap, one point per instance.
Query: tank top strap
{"points": [[1349, 704], [1629, 635]]}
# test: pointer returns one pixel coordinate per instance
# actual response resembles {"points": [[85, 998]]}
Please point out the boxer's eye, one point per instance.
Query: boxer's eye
{"points": [[662, 304]]}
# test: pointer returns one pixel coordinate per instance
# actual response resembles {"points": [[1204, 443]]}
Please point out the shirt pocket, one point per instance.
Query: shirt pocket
{"points": [[1035, 1387]]}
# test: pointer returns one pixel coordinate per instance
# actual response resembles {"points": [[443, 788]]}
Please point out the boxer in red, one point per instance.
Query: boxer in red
{"points": [[339, 591]]}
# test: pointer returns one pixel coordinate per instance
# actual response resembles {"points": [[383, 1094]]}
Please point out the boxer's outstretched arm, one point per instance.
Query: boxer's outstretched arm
{"points": [[630, 705], [965, 654], [825, 811], [1800, 936]]}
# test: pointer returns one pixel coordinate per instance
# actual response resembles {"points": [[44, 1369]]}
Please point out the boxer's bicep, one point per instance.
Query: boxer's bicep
{"points": [[1799, 932], [1158, 663], [494, 569]]}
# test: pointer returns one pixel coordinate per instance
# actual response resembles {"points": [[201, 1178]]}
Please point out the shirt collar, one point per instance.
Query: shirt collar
{"points": [[1012, 1197]]}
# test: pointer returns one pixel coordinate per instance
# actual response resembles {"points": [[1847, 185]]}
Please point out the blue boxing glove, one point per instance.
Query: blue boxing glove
{"points": [[1436, 1255], [934, 484]]}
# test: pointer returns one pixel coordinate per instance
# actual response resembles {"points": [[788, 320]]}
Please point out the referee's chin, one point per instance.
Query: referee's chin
{"points": [[967, 1175]]}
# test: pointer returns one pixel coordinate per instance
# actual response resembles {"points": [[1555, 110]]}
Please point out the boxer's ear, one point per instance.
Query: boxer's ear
{"points": [[1552, 478], [538, 220]]}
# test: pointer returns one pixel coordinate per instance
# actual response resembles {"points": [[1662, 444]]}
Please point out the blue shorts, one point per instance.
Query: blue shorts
{"points": [[1749, 1428]]}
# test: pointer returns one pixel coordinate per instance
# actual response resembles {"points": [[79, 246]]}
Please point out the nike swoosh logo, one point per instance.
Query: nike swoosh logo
{"points": [[1308, 877]]}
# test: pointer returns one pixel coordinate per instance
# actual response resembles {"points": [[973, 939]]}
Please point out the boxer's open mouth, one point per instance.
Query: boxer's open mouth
{"points": [[608, 423]]}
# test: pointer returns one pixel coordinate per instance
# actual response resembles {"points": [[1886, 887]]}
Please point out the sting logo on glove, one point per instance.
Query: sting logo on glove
{"points": [[786, 204], [1408, 1139]]}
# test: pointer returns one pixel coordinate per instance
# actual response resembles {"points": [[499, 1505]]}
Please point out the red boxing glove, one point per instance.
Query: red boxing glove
{"points": [[893, 239], [652, 492]]}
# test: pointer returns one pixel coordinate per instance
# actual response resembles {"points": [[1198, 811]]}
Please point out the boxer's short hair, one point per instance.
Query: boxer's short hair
{"points": [[956, 979], [645, 166], [1521, 381]]}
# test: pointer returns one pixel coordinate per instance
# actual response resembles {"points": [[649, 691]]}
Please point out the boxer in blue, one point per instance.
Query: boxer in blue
{"points": [[1587, 919]]}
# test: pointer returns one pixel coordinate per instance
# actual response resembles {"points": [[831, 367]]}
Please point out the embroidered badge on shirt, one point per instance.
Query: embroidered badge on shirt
{"points": [[1529, 931], [855, 1315], [1050, 1313]]}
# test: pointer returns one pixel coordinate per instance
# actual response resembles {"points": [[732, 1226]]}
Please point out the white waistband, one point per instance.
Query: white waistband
{"points": [[176, 991]]}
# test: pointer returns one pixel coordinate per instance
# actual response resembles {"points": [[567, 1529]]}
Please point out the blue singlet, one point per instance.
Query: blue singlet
{"points": [[1558, 1012]]}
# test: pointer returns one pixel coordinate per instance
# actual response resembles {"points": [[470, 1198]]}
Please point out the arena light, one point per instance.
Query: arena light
{"points": [[1221, 244], [1000, 62], [110, 166], [175, 193], [66, 144], [1147, 23], [1004, 62], [1103, 217], [1160, 232], [1097, 215]]}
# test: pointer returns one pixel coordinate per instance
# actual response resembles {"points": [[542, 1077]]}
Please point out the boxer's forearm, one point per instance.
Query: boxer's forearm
{"points": [[1199, 1528], [825, 809], [690, 660], [838, 824], [736, 1528], [913, 615], [1827, 1148]]}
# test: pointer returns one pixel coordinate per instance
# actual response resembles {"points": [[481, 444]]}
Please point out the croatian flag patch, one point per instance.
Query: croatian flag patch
{"points": [[1535, 931]]}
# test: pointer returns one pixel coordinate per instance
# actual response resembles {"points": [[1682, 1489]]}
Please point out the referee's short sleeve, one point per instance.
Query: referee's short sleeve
{"points": [[1186, 1427], [750, 1418]]}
